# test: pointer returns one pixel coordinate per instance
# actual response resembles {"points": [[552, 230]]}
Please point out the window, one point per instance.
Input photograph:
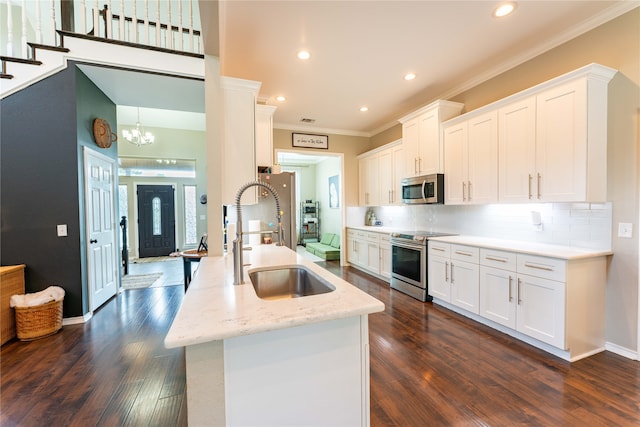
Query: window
{"points": [[190, 216], [157, 220]]}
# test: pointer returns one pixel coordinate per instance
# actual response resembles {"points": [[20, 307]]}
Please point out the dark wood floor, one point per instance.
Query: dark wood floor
{"points": [[429, 367]]}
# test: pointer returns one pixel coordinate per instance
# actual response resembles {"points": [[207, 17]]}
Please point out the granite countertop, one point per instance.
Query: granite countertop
{"points": [[531, 248], [214, 309]]}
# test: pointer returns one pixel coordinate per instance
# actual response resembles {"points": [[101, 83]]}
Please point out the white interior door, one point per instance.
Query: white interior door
{"points": [[102, 260]]}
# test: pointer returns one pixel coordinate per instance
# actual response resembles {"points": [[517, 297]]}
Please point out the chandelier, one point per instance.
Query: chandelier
{"points": [[138, 136]]}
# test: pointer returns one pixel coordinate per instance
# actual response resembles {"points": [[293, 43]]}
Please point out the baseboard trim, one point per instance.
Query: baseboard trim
{"points": [[622, 351], [76, 320]]}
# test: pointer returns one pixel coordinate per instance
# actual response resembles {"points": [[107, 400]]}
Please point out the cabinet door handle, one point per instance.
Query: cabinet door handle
{"points": [[530, 193], [464, 189], [469, 192], [539, 191], [446, 271], [419, 164], [518, 291], [510, 296], [464, 253], [435, 248], [415, 165], [538, 266], [490, 258], [452, 273]]}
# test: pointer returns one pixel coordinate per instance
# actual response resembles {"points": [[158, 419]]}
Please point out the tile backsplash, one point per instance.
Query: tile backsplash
{"points": [[586, 225]]}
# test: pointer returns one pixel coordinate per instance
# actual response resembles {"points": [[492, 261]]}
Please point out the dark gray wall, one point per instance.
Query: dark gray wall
{"points": [[42, 129]]}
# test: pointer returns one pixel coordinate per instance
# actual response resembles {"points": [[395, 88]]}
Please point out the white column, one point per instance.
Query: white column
{"points": [[190, 25], [146, 22], [96, 19], [169, 29], [108, 19]]}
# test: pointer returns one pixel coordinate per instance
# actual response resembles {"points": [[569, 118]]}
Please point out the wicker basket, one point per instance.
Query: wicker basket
{"points": [[39, 321]]}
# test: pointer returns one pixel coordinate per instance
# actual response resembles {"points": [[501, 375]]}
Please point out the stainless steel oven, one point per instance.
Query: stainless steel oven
{"points": [[409, 263]]}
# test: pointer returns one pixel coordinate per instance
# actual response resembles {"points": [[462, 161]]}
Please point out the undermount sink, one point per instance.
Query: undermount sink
{"points": [[288, 282]]}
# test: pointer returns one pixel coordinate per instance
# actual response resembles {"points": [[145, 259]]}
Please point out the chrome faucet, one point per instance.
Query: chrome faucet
{"points": [[238, 272]]}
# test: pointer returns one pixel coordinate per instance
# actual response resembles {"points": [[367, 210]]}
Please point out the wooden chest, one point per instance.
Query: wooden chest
{"points": [[11, 283]]}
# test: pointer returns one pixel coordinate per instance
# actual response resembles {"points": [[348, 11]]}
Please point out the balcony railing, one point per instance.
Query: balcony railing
{"points": [[169, 24]]}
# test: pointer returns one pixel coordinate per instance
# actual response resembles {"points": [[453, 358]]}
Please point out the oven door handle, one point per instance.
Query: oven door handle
{"points": [[424, 196], [407, 245]]}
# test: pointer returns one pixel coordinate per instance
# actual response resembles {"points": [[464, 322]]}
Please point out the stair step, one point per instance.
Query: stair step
{"points": [[35, 46], [20, 60]]}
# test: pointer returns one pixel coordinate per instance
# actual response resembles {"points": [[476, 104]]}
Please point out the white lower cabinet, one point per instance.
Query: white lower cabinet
{"points": [[357, 248], [541, 309], [548, 302], [453, 275], [369, 251], [385, 256]]}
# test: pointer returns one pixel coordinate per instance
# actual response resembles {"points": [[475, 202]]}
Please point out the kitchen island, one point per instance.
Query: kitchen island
{"points": [[252, 361]]}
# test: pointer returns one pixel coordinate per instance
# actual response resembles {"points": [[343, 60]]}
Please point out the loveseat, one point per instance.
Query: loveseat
{"points": [[327, 248]]}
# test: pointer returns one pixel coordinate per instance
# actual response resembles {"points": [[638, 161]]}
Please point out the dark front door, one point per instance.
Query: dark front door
{"points": [[156, 220]]}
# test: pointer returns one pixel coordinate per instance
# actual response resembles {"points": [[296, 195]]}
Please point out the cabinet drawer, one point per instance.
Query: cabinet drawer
{"points": [[546, 268], [498, 259], [439, 249], [385, 238], [372, 237], [465, 253]]}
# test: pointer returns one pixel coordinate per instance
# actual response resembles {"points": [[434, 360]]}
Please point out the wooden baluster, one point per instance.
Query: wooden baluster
{"points": [[108, 19], [83, 17], [146, 23], [25, 53], [121, 21], [53, 23], [9, 29], [134, 22], [180, 40], [190, 25], [38, 23], [96, 19], [158, 37], [169, 27]]}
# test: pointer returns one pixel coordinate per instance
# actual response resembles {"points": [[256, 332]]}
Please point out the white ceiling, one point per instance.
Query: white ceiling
{"points": [[361, 50]]}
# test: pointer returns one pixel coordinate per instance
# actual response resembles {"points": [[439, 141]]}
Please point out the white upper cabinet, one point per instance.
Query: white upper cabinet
{"points": [[471, 160], [264, 134], [517, 151], [421, 136], [239, 149], [551, 139], [380, 173]]}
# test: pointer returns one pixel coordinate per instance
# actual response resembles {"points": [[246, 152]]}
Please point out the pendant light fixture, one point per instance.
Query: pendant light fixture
{"points": [[138, 136]]}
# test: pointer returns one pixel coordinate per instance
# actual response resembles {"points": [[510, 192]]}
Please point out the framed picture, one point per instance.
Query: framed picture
{"points": [[306, 140], [334, 192]]}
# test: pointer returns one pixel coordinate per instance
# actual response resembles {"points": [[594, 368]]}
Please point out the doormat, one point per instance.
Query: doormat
{"points": [[138, 281]]}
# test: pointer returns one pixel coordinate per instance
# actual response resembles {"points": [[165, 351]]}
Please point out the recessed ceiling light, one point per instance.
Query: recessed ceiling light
{"points": [[281, 98], [303, 54], [504, 9], [364, 108], [409, 76]]}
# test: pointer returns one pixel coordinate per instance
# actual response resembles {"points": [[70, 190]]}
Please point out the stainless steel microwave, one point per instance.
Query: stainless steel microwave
{"points": [[426, 189]]}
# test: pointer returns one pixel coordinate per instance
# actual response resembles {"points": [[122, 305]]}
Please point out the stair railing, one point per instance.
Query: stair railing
{"points": [[156, 24]]}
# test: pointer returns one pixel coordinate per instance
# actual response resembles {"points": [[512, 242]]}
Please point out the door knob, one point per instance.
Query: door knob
{"points": [[93, 241]]}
